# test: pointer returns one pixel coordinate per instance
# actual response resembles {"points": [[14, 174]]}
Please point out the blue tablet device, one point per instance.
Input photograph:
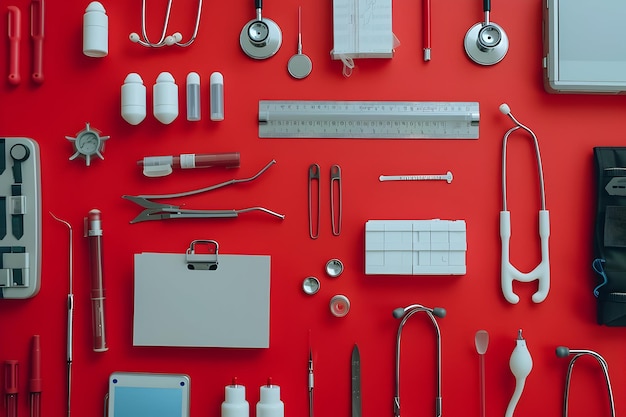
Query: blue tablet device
{"points": [[134, 394]]}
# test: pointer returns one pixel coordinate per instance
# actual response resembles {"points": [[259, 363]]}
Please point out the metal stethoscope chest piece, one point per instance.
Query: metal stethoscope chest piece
{"points": [[486, 43], [260, 38]]}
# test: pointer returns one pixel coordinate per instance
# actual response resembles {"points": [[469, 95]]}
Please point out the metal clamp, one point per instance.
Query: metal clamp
{"points": [[205, 261]]}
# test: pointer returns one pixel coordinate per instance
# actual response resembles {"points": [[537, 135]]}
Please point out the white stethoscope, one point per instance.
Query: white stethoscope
{"points": [[165, 40], [486, 43], [508, 272], [260, 38], [406, 313]]}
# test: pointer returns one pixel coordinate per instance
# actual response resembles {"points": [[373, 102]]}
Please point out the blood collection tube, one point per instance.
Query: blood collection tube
{"points": [[93, 232]]}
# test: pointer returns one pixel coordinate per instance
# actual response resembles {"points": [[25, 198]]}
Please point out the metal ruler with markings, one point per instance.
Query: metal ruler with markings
{"points": [[368, 119]]}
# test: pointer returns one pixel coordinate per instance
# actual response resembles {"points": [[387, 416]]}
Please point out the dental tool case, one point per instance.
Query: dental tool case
{"points": [[20, 218], [610, 235]]}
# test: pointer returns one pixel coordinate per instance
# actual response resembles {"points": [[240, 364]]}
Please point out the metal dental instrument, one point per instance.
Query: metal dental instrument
{"points": [[405, 313], [158, 211], [261, 37], [521, 363], [446, 177], [486, 43], [563, 352], [508, 272], [311, 382], [299, 65], [70, 311], [335, 188], [165, 40], [356, 382], [314, 181]]}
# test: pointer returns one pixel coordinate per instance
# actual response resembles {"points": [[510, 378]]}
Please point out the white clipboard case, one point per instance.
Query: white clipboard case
{"points": [[201, 300]]}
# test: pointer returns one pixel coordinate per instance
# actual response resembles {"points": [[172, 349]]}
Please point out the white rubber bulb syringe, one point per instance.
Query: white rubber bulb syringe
{"points": [[521, 363]]}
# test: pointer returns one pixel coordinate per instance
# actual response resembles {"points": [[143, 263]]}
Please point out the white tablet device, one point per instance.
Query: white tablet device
{"points": [[133, 394], [584, 46]]}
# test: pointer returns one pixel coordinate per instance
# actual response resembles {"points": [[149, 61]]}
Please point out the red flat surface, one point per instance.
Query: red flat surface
{"points": [[78, 89]]}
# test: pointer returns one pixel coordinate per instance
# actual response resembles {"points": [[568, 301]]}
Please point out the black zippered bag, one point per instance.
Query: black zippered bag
{"points": [[610, 235]]}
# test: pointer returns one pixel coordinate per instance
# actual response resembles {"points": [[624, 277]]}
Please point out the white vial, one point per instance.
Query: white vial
{"points": [[95, 31], [235, 404], [165, 98], [133, 99], [217, 96], [193, 97]]}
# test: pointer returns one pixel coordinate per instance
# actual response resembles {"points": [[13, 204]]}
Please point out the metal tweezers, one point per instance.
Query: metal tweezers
{"points": [[159, 211]]}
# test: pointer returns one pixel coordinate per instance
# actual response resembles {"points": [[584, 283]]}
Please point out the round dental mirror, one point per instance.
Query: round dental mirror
{"points": [[299, 65], [260, 38]]}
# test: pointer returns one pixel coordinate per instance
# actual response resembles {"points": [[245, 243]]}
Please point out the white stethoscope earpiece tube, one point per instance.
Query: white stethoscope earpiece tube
{"points": [[508, 272]]}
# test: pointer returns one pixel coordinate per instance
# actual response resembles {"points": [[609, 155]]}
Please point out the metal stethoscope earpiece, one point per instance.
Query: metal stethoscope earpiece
{"points": [[486, 43], [169, 40], [404, 314], [260, 38]]}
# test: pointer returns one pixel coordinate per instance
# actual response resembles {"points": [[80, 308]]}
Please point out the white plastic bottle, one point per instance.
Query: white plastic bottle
{"points": [[165, 98], [270, 404], [95, 31], [235, 404], [133, 99]]}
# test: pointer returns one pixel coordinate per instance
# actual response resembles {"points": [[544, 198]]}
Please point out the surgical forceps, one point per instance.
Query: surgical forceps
{"points": [[158, 211], [164, 40], [562, 352], [405, 313], [508, 272]]}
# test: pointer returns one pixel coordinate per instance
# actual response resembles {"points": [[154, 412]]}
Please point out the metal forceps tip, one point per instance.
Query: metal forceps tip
{"points": [[314, 181], [335, 183]]}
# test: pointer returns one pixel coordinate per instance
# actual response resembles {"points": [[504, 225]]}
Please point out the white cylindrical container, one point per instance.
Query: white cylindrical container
{"points": [[193, 97], [270, 404], [95, 31], [217, 96], [133, 99], [235, 404], [165, 98]]}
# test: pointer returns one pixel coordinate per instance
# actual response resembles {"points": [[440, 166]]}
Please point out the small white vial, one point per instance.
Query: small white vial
{"points": [[95, 31], [270, 404], [133, 99], [217, 97], [193, 97], [235, 404], [165, 98]]}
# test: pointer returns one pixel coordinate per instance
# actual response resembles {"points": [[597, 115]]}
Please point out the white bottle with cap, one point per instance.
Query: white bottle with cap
{"points": [[235, 404], [95, 31], [133, 99], [270, 404], [165, 98], [217, 96]]}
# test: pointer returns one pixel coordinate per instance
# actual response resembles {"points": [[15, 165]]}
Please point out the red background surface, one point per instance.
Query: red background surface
{"points": [[78, 89]]}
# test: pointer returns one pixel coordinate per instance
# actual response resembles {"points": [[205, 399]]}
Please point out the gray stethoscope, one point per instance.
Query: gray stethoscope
{"points": [[563, 352], [260, 38], [509, 273], [486, 43], [165, 40], [405, 313]]}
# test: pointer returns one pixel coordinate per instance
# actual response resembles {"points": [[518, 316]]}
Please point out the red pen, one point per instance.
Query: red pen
{"points": [[93, 231], [10, 387], [15, 35], [36, 33], [426, 28], [35, 378]]}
